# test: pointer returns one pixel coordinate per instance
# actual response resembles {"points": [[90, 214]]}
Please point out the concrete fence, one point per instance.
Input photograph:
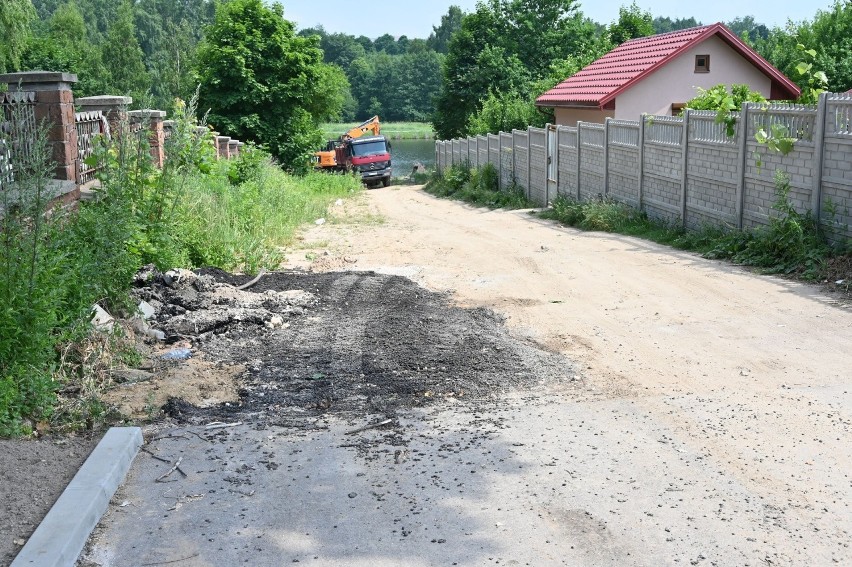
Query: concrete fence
{"points": [[73, 125], [683, 169]]}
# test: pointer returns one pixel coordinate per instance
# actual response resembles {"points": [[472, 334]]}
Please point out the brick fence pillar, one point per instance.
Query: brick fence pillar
{"points": [[54, 107], [222, 144], [114, 109], [157, 138]]}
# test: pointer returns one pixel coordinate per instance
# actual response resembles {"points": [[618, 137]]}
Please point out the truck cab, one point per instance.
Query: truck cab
{"points": [[369, 156]]}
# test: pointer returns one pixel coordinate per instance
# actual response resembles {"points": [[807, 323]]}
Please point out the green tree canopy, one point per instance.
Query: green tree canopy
{"points": [[508, 47], [16, 16], [632, 23], [666, 25], [124, 62], [439, 39], [264, 83]]}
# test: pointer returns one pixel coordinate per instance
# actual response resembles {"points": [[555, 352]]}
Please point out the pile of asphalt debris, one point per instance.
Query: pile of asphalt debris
{"points": [[347, 343]]}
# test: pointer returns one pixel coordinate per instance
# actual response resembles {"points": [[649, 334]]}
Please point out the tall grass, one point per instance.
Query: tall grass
{"points": [[476, 186], [791, 243], [245, 227], [55, 264]]}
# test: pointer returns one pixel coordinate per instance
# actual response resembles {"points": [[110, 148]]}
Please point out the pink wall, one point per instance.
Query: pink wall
{"points": [[675, 82], [570, 116]]}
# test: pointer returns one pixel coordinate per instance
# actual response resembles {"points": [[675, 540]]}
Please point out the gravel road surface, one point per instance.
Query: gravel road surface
{"points": [[661, 409]]}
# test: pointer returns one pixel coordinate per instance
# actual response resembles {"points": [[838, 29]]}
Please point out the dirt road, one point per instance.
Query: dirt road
{"points": [[754, 372], [709, 421]]}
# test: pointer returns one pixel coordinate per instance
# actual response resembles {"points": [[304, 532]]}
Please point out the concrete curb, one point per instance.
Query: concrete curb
{"points": [[59, 539]]}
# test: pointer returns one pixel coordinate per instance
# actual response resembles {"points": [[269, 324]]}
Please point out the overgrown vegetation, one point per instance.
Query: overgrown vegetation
{"points": [[55, 265], [478, 187], [791, 244]]}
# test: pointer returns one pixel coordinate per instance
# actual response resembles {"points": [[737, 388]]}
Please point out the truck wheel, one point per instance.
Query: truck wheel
{"points": [[386, 181]]}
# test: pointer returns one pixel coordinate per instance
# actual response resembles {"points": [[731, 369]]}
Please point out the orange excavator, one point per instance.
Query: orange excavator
{"points": [[327, 159]]}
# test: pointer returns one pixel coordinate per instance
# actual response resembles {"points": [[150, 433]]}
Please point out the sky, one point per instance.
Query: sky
{"points": [[415, 18]]}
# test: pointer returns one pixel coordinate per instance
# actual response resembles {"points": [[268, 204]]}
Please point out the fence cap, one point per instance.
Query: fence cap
{"points": [[39, 80], [147, 113], [104, 101]]}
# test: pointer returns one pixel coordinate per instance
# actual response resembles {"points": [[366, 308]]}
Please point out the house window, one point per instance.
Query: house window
{"points": [[702, 63]]}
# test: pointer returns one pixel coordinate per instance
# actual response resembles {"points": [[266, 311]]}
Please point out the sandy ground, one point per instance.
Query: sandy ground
{"points": [[753, 371], [711, 425]]}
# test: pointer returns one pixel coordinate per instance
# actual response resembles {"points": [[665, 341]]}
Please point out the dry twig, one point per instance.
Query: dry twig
{"points": [[176, 467]]}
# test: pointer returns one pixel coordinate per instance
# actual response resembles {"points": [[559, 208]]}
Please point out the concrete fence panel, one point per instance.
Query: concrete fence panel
{"points": [[623, 161], [712, 171], [520, 152], [687, 169], [568, 165], [762, 164], [592, 161], [836, 196]]}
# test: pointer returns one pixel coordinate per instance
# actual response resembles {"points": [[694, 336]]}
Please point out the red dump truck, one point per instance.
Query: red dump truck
{"points": [[355, 151]]}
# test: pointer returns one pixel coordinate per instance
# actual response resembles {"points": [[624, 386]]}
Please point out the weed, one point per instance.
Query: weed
{"points": [[791, 243], [477, 186]]}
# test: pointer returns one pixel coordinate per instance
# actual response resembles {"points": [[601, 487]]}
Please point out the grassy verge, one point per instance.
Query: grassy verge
{"points": [[791, 244], [478, 187], [245, 227], [54, 267], [393, 130]]}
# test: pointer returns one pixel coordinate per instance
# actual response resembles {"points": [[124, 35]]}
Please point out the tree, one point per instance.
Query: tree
{"points": [[65, 47], [263, 83], [16, 16], [831, 37], [666, 25], [747, 29], [506, 46], [124, 63], [632, 23], [439, 39], [341, 49]]}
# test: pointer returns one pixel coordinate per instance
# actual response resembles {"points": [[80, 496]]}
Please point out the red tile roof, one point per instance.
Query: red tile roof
{"points": [[600, 82]]}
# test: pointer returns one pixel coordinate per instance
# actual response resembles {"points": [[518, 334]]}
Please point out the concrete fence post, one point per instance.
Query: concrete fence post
{"points": [[641, 182], [514, 157], [529, 161], [742, 141], [684, 162], [556, 151], [114, 109], [606, 155], [819, 157], [54, 107], [579, 160], [499, 160]]}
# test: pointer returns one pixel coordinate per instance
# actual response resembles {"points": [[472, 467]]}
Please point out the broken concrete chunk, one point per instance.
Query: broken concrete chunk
{"points": [[146, 310], [101, 320]]}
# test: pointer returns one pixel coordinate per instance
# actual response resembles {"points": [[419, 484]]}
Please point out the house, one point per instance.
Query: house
{"points": [[659, 74]]}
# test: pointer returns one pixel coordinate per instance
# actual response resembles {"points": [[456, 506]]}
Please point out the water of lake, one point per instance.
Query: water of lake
{"points": [[404, 153]]}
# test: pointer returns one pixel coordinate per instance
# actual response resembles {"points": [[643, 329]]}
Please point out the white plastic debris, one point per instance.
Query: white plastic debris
{"points": [[146, 310], [101, 320]]}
